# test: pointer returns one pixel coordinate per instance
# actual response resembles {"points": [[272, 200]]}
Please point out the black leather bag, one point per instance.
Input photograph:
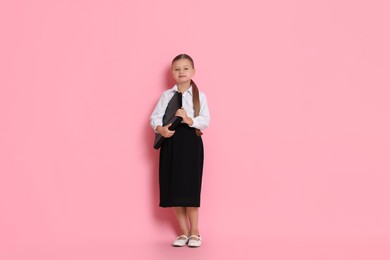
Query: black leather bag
{"points": [[169, 118]]}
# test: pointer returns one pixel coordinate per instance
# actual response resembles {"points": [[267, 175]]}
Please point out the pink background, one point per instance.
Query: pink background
{"points": [[297, 154]]}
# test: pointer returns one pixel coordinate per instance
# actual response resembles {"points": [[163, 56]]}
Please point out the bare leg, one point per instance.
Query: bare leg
{"points": [[193, 215], [181, 216]]}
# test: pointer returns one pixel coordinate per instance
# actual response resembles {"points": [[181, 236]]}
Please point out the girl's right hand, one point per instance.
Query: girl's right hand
{"points": [[164, 131]]}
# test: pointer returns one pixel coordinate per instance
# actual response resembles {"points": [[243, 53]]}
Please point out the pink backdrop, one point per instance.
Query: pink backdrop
{"points": [[297, 154]]}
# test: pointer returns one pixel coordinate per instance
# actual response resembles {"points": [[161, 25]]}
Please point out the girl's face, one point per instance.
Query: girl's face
{"points": [[182, 71]]}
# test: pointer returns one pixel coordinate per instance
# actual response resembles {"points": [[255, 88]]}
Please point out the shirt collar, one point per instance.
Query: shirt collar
{"points": [[188, 90]]}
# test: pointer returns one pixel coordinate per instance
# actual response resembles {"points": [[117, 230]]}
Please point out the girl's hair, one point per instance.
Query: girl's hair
{"points": [[195, 90]]}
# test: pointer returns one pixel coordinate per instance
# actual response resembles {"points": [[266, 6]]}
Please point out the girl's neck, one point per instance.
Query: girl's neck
{"points": [[183, 87]]}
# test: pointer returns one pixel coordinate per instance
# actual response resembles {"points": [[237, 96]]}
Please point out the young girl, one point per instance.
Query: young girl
{"points": [[181, 155]]}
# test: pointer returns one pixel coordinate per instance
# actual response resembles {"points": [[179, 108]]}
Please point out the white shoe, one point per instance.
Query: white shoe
{"points": [[195, 241], [180, 241]]}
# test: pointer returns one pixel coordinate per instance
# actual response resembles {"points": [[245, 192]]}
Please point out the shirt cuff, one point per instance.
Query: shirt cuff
{"points": [[155, 129], [194, 123]]}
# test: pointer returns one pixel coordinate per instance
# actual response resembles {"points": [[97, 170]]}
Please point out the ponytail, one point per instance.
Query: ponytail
{"points": [[196, 102]]}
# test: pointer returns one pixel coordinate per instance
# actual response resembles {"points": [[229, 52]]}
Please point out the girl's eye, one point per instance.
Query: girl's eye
{"points": [[186, 68]]}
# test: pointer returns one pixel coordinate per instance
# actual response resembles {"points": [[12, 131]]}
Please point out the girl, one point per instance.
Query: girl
{"points": [[181, 155]]}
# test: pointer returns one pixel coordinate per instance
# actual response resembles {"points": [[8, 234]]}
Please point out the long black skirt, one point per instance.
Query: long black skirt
{"points": [[181, 167]]}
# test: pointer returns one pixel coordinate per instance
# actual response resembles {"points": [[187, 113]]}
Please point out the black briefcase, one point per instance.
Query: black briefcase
{"points": [[169, 118]]}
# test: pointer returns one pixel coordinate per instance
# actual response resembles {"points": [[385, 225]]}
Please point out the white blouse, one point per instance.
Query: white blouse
{"points": [[200, 122]]}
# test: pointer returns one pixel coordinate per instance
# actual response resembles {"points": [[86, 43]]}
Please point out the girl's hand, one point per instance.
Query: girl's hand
{"points": [[164, 131], [182, 113]]}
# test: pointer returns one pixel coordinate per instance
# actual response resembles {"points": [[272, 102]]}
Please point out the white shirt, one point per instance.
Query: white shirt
{"points": [[200, 122]]}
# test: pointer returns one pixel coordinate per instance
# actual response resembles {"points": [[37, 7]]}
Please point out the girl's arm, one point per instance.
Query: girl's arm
{"points": [[158, 113], [200, 122], [203, 120]]}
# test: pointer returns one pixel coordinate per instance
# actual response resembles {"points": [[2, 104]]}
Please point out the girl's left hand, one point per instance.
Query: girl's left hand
{"points": [[182, 113]]}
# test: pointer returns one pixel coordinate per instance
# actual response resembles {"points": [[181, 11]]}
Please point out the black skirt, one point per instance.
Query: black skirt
{"points": [[181, 167]]}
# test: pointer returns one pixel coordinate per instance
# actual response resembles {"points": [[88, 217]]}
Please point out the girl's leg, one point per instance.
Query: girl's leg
{"points": [[181, 216], [193, 215]]}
